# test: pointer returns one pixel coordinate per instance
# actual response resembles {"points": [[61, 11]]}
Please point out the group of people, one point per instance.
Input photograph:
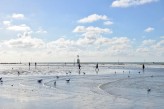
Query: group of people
{"points": [[29, 64], [97, 67], [79, 66]]}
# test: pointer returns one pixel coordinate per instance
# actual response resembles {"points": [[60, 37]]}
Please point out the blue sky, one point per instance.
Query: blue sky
{"points": [[99, 30]]}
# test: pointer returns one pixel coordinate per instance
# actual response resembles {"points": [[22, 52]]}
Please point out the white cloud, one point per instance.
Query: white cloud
{"points": [[160, 45], [18, 16], [129, 3], [148, 42], [86, 41], [25, 41], [149, 29], [108, 23], [158, 49], [100, 47], [113, 41], [60, 43], [6, 23], [93, 18], [83, 29], [90, 34], [90, 44], [9, 25], [151, 49], [21, 28], [142, 50], [41, 31]]}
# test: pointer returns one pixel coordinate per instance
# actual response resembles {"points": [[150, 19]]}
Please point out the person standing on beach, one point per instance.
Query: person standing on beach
{"points": [[79, 66], [143, 66], [18, 73], [29, 65], [97, 67], [78, 62], [35, 65]]}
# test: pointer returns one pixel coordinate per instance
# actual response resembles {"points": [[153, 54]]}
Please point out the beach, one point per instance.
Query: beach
{"points": [[113, 86]]}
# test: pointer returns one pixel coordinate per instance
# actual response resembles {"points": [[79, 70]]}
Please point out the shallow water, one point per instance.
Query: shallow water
{"points": [[104, 89]]}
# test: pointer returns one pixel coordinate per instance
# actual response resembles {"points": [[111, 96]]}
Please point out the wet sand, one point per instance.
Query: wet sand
{"points": [[89, 90]]}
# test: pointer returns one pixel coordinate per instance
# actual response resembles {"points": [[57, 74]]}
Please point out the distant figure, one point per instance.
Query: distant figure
{"points": [[35, 65], [139, 72], [1, 80], [97, 67], [143, 66], [18, 73], [128, 76], [84, 73], [115, 72], [29, 65], [79, 66]]}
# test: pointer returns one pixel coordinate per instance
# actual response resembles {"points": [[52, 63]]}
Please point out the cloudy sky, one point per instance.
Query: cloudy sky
{"points": [[97, 30]]}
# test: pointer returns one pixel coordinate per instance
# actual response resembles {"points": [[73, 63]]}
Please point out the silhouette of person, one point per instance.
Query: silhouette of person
{"points": [[18, 73], [35, 65], [143, 66], [79, 66], [97, 67], [29, 65]]}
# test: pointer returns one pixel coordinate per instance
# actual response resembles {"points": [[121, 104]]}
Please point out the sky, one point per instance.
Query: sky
{"points": [[96, 30]]}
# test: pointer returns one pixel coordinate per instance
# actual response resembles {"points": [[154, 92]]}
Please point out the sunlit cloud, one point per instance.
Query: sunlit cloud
{"points": [[129, 3], [17, 16], [24, 41], [93, 18], [41, 31], [159, 45], [83, 29], [22, 27], [149, 29], [7, 23], [96, 46], [143, 49], [148, 42], [108, 23]]}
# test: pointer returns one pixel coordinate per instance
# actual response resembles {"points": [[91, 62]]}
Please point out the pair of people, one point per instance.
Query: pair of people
{"points": [[97, 67]]}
